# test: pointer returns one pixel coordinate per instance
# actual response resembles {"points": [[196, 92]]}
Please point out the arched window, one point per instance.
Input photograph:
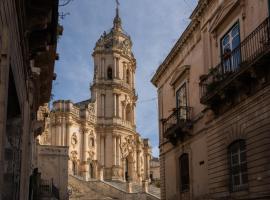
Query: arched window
{"points": [[92, 142], [184, 172], [109, 73], [128, 76], [128, 113], [238, 165]]}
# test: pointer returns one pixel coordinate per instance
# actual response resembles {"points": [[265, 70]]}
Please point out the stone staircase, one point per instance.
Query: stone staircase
{"points": [[136, 188], [101, 190], [80, 190]]}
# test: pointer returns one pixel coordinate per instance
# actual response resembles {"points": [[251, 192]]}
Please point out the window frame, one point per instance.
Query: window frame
{"points": [[228, 62], [237, 167], [182, 109]]}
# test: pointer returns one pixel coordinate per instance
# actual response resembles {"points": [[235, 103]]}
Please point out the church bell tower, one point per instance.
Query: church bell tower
{"points": [[113, 90]]}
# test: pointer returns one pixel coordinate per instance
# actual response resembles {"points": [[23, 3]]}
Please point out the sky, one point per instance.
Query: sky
{"points": [[154, 27]]}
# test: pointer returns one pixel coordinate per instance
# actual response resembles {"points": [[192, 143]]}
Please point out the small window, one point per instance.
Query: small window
{"points": [[128, 77], [238, 165], [184, 173], [109, 73]]}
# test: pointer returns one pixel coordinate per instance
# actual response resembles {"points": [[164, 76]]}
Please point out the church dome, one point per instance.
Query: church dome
{"points": [[115, 40]]}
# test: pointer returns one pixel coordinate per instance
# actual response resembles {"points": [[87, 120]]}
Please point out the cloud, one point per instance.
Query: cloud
{"points": [[154, 27]]}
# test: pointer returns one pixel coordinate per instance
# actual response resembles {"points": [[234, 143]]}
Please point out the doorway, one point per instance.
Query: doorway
{"points": [[126, 170], [91, 171], [74, 167]]}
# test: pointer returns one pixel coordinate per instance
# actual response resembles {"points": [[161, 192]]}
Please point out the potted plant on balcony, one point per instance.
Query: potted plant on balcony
{"points": [[227, 54]]}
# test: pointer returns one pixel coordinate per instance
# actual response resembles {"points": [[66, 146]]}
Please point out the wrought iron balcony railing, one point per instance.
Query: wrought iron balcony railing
{"points": [[251, 50], [177, 122]]}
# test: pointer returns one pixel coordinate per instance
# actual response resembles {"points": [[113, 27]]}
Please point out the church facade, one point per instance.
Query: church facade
{"points": [[101, 131]]}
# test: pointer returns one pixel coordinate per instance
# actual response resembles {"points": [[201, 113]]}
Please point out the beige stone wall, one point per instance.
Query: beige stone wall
{"points": [[53, 165], [207, 141]]}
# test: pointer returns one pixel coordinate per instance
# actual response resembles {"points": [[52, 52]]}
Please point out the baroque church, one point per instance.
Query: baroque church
{"points": [[101, 131]]}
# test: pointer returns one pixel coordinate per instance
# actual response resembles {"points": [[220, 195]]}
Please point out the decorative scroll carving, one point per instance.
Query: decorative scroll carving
{"points": [[128, 146], [74, 140]]}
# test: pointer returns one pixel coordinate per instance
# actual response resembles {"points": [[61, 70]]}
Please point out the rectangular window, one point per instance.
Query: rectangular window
{"points": [[230, 49], [238, 165]]}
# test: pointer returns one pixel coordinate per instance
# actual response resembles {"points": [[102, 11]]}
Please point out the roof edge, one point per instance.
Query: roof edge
{"points": [[194, 21]]}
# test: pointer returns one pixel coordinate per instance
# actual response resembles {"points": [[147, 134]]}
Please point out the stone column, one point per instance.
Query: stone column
{"points": [[84, 161], [68, 124], [114, 137], [124, 73], [114, 104], [114, 67], [63, 132], [139, 164], [147, 166], [85, 134], [118, 150], [103, 67], [58, 133], [145, 186], [129, 187], [102, 138], [131, 78]]}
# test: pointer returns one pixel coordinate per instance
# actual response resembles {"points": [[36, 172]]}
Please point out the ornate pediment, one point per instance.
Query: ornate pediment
{"points": [[221, 13], [179, 73]]}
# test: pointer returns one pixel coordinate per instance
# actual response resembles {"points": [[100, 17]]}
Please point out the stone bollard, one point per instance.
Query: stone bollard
{"points": [[129, 187], [145, 186]]}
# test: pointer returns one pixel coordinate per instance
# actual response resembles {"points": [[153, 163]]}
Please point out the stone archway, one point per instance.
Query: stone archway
{"points": [[128, 166]]}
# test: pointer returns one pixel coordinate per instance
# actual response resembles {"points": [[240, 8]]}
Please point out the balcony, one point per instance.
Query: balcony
{"points": [[239, 69], [177, 124]]}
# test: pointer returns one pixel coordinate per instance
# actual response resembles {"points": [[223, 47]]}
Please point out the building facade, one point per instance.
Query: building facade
{"points": [[28, 38], [155, 170], [101, 132], [213, 92]]}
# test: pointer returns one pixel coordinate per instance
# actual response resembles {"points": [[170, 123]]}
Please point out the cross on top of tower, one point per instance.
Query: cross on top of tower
{"points": [[117, 20]]}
